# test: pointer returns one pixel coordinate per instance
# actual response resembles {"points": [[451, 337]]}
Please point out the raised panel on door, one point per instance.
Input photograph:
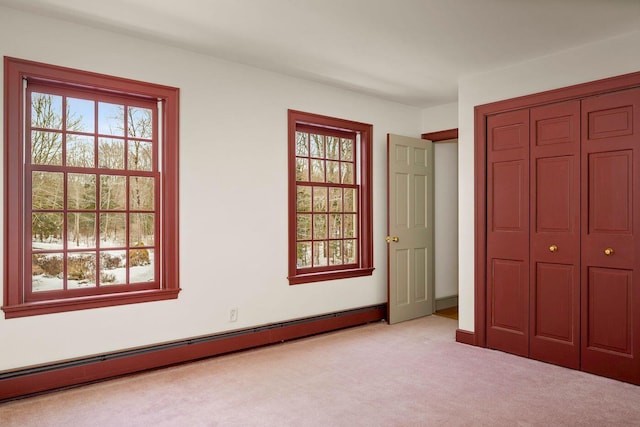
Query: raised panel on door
{"points": [[610, 300], [508, 232], [555, 234]]}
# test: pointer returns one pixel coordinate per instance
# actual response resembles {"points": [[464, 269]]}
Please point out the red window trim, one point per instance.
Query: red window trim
{"points": [[16, 70], [297, 120]]}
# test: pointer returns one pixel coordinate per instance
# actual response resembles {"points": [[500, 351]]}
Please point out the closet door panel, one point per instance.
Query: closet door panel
{"points": [[508, 232], [610, 284], [555, 234]]}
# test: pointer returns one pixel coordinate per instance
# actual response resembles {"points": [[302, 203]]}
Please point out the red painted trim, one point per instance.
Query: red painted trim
{"points": [[465, 337], [579, 91], [16, 302], [337, 127], [480, 184], [443, 135], [82, 303], [329, 275], [52, 379]]}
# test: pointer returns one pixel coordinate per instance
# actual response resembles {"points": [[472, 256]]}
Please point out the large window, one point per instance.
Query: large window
{"points": [[330, 228], [90, 190]]}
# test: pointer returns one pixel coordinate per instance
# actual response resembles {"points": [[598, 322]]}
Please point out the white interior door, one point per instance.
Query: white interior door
{"points": [[410, 253]]}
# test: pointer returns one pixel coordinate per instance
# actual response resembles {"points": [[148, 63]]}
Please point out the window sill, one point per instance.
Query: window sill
{"points": [[82, 303], [332, 275]]}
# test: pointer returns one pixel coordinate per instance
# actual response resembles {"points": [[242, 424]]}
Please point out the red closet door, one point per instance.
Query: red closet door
{"points": [[611, 235], [555, 234], [508, 232]]}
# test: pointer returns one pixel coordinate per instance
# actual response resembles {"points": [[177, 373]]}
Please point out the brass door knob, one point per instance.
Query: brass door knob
{"points": [[553, 248], [608, 251], [390, 239]]}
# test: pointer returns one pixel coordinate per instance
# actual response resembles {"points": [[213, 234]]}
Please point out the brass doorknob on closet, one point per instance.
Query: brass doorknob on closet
{"points": [[608, 251], [553, 248], [390, 239]]}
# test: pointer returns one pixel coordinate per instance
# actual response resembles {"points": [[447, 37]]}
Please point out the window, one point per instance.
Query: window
{"points": [[91, 174], [330, 227]]}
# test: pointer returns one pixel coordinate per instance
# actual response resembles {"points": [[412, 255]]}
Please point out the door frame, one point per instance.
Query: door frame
{"points": [[481, 112]]}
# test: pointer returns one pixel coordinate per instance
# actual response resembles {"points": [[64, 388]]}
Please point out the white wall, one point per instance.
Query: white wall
{"points": [[441, 117], [233, 194], [606, 58], [446, 218], [435, 119]]}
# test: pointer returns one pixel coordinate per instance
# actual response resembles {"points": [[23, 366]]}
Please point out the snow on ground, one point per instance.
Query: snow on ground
{"points": [[137, 274]]}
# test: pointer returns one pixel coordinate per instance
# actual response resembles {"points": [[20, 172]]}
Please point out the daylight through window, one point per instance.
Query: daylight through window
{"points": [[330, 214], [92, 208]]}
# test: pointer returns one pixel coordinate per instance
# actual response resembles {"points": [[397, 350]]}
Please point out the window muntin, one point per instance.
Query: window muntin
{"points": [[91, 173], [326, 199], [93, 209], [329, 198]]}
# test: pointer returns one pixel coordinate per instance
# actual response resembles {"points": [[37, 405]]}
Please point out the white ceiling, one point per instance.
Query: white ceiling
{"points": [[409, 51]]}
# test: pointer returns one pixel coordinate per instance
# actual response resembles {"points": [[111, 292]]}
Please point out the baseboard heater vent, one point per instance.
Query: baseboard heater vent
{"points": [[37, 379]]}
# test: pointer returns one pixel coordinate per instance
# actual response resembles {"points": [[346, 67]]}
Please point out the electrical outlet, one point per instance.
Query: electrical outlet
{"points": [[233, 315]]}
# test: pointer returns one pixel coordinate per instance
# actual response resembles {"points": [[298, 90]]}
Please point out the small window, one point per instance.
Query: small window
{"points": [[330, 228], [91, 180]]}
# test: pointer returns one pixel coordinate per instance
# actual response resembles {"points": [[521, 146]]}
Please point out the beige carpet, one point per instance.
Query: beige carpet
{"points": [[410, 374]]}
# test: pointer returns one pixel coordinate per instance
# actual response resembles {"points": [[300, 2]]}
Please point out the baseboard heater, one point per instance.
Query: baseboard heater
{"points": [[54, 376]]}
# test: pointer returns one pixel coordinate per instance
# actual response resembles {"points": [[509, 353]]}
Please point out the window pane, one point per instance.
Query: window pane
{"points": [[333, 147], [346, 149], [302, 144], [317, 170], [303, 227], [81, 230], [47, 190], [110, 119], [317, 145], [111, 153], [46, 111], [46, 272], [333, 172], [320, 199], [80, 115], [46, 148], [335, 252], [141, 193], [319, 226], [46, 230], [113, 194], [113, 230], [140, 156], [81, 191], [141, 229], [347, 173], [350, 252], [303, 255], [335, 199], [302, 169], [319, 254], [140, 122], [303, 198], [350, 200], [141, 265], [113, 268], [80, 151], [335, 226], [350, 225], [81, 270]]}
